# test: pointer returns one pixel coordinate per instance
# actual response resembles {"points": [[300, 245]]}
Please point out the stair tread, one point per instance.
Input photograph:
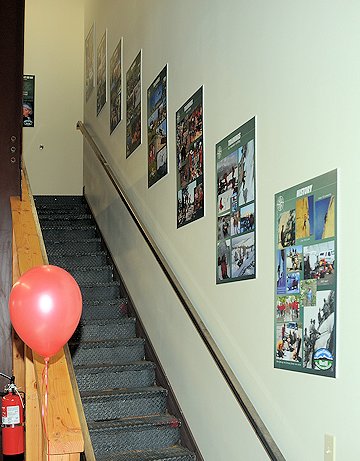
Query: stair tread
{"points": [[96, 368], [107, 342], [109, 393], [107, 321], [174, 453], [137, 422]]}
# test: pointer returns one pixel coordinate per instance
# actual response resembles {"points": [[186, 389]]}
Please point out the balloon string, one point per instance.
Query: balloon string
{"points": [[44, 405]]}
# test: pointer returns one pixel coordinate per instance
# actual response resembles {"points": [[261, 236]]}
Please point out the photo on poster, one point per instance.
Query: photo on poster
{"points": [[227, 181], [116, 87], [308, 291], [224, 223], [281, 272], [223, 260], [190, 202], [189, 156], [293, 283], [235, 194], [287, 308], [133, 106], [247, 172], [157, 128], [319, 263], [90, 62], [247, 218], [101, 64], [235, 223], [304, 217], [319, 332], [243, 256], [28, 102], [305, 232], [288, 342], [325, 218], [286, 229], [294, 258]]}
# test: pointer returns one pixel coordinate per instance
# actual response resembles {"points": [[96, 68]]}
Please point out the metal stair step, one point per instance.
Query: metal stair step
{"points": [[92, 274], [124, 403], [103, 309], [65, 234], [136, 374], [149, 433], [175, 453], [101, 290], [107, 352], [68, 248], [76, 221], [105, 329], [68, 262], [58, 201]]}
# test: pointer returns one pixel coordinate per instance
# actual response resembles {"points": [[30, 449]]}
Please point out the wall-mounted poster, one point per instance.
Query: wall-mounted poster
{"points": [[115, 87], [157, 128], [305, 277], [90, 62], [189, 153], [28, 100], [236, 207], [101, 74], [133, 106]]}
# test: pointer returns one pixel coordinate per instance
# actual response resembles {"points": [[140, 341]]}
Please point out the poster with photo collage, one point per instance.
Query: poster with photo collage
{"points": [[236, 205], [306, 277], [133, 106], [190, 165], [116, 87], [157, 128], [101, 63]]}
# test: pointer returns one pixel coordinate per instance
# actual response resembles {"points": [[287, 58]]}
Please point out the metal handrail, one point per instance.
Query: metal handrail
{"points": [[239, 393]]}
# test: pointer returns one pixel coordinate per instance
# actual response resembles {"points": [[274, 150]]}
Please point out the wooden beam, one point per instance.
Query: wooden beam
{"points": [[63, 426]]}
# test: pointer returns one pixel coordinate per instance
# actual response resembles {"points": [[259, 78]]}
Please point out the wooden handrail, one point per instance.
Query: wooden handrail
{"points": [[63, 426]]}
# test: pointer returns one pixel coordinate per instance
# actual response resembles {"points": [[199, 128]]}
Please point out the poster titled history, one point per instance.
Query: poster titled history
{"points": [[115, 87], [306, 276], [189, 154], [157, 128], [133, 106], [101, 75], [236, 208]]}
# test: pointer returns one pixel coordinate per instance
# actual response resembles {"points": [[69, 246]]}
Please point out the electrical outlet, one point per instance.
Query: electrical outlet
{"points": [[329, 447]]}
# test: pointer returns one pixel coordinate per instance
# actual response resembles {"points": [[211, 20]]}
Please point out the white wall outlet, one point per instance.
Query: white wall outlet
{"points": [[329, 447]]}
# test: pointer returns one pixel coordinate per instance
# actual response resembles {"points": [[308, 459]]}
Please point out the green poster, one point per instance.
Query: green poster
{"points": [[305, 277], [235, 177], [28, 100]]}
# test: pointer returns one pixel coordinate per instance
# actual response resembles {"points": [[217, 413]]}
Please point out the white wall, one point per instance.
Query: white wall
{"points": [[54, 54], [296, 66]]}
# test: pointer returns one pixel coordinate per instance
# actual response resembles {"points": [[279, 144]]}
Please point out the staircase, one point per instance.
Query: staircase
{"points": [[126, 411]]}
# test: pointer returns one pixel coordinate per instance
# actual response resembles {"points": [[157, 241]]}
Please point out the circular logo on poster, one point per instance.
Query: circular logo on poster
{"points": [[280, 203], [323, 359]]}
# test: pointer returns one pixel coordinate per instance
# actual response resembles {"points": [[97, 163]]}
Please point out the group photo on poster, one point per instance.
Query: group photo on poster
{"points": [[305, 275], [116, 87], [133, 106], [190, 164], [101, 75], [89, 62], [236, 224], [157, 128]]}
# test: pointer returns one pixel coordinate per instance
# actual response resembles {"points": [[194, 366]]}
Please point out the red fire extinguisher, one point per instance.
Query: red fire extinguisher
{"points": [[12, 422]]}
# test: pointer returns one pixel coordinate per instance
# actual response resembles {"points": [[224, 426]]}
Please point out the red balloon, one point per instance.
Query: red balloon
{"points": [[45, 308]]}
